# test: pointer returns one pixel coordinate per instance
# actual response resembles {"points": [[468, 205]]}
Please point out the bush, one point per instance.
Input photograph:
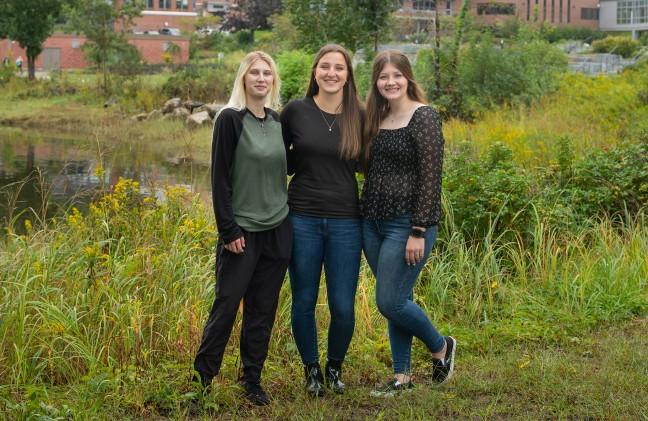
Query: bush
{"points": [[623, 46], [521, 72], [294, 68], [487, 192], [207, 84], [559, 33]]}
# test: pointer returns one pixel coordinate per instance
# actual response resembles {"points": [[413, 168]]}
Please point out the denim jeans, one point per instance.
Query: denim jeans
{"points": [[335, 243], [384, 246]]}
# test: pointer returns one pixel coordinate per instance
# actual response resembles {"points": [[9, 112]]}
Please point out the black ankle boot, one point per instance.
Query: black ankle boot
{"points": [[314, 379], [332, 375]]}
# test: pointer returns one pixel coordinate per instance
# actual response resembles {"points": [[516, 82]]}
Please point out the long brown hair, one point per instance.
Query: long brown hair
{"points": [[377, 105], [351, 116]]}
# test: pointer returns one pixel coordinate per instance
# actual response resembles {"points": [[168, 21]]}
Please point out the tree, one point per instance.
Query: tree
{"points": [[104, 25], [352, 23], [251, 14], [30, 22]]}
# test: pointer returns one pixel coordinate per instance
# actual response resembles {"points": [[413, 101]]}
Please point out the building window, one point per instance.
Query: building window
{"points": [[423, 4], [182, 4], [150, 4], [165, 4], [632, 11], [589, 13], [568, 11], [495, 9]]}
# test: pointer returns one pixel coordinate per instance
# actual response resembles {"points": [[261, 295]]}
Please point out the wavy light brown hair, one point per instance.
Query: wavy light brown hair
{"points": [[377, 105], [351, 116]]}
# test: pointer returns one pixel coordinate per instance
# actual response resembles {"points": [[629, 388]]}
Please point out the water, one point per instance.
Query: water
{"points": [[43, 174]]}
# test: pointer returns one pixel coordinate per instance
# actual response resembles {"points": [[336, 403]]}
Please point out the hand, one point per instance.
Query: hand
{"points": [[236, 246], [414, 250]]}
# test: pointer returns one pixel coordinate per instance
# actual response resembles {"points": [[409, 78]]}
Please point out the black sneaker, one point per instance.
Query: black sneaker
{"points": [[391, 388], [442, 369], [332, 374], [255, 393], [314, 380]]}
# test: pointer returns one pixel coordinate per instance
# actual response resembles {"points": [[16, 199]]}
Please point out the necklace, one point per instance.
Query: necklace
{"points": [[330, 126], [260, 121]]}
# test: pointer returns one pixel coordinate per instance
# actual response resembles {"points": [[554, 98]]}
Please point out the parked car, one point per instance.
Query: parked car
{"points": [[170, 31]]}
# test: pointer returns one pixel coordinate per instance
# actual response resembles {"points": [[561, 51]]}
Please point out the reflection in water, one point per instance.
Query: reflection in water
{"points": [[41, 174]]}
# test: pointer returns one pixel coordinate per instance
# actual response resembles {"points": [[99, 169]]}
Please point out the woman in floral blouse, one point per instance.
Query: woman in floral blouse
{"points": [[401, 206]]}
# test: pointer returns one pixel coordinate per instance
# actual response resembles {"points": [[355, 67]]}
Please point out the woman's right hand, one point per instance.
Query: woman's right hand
{"points": [[236, 246]]}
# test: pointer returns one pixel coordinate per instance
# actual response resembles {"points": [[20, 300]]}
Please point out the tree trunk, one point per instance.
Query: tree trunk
{"points": [[31, 63]]}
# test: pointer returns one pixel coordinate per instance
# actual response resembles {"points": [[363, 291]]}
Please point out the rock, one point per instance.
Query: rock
{"points": [[139, 117], [154, 115], [192, 105], [198, 119], [212, 109], [180, 113], [171, 105]]}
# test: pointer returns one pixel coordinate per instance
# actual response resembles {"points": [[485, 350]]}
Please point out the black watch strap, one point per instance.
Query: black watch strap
{"points": [[417, 233]]}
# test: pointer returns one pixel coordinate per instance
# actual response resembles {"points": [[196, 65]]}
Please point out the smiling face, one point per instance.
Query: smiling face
{"points": [[331, 73], [391, 83], [259, 79]]}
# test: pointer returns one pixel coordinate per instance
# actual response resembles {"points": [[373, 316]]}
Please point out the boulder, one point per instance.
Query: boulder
{"points": [[139, 117], [212, 109], [198, 119], [192, 105], [180, 113], [171, 105], [154, 115]]}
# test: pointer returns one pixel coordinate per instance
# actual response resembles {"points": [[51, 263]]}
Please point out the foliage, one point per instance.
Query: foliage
{"points": [[204, 83], [30, 22], [106, 46], [354, 24], [559, 33], [624, 46], [226, 42], [251, 14], [294, 68], [489, 195]]}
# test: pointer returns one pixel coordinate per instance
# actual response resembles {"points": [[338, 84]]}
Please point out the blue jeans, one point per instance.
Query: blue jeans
{"points": [[384, 246], [337, 244]]}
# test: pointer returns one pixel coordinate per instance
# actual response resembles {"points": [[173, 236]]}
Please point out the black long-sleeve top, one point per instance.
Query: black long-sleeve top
{"points": [[404, 172], [324, 184]]}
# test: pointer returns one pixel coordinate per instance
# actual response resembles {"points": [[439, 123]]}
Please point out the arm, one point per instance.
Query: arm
{"points": [[227, 130], [287, 137], [428, 139]]}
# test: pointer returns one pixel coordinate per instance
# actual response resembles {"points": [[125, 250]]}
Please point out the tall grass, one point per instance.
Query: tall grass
{"points": [[127, 287]]}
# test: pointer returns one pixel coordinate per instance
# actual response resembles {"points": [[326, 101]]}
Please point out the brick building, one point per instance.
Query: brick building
{"points": [[578, 13]]}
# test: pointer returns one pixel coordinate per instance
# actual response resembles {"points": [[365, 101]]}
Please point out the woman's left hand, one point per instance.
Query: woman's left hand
{"points": [[414, 250]]}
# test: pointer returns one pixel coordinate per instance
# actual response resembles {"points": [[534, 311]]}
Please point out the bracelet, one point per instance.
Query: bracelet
{"points": [[417, 233]]}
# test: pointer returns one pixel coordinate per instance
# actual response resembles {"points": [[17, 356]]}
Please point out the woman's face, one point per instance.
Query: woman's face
{"points": [[259, 79], [391, 83], [331, 72]]}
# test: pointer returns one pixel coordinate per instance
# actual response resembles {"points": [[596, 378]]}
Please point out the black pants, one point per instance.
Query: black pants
{"points": [[255, 276]]}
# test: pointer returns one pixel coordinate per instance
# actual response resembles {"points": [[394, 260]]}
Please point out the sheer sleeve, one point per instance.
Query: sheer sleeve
{"points": [[425, 129]]}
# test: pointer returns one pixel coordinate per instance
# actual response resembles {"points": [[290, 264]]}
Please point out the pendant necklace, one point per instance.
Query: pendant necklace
{"points": [[330, 126], [261, 122]]}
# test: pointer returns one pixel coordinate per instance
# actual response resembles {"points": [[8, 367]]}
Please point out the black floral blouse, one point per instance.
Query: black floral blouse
{"points": [[404, 172]]}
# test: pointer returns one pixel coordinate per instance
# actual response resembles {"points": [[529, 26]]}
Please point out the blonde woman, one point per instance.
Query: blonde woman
{"points": [[255, 238], [401, 206]]}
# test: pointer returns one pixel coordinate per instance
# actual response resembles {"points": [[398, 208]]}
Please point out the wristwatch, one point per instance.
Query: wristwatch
{"points": [[417, 233]]}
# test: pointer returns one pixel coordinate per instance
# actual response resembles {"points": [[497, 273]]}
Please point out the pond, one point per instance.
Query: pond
{"points": [[42, 174]]}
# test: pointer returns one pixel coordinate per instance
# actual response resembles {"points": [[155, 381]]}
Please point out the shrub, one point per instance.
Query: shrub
{"points": [[559, 33], [623, 46], [487, 192], [202, 83], [294, 67]]}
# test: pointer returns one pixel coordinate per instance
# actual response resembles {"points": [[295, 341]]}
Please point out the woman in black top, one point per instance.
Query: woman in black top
{"points": [[401, 205], [323, 133], [255, 238]]}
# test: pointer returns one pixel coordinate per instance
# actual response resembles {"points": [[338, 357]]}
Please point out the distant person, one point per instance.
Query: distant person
{"points": [[401, 206], [248, 173], [323, 135], [19, 64], [5, 61]]}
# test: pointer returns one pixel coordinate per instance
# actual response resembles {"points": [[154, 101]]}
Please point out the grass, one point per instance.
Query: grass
{"points": [[101, 318]]}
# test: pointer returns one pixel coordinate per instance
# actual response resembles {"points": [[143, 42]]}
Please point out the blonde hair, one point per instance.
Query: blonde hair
{"points": [[238, 99]]}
